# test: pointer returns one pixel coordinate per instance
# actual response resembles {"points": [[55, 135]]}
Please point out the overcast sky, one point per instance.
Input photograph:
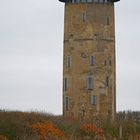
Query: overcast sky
{"points": [[31, 55]]}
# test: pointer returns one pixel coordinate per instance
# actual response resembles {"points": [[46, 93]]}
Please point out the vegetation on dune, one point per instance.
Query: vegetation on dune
{"points": [[47, 131], [42, 126], [91, 131]]}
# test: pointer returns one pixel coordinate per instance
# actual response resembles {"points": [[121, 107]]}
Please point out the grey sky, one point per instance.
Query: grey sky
{"points": [[31, 55]]}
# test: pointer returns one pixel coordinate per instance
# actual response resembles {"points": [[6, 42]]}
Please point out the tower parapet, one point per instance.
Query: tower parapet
{"points": [[89, 1]]}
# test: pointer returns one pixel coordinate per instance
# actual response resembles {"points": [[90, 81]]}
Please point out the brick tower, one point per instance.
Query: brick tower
{"points": [[89, 74]]}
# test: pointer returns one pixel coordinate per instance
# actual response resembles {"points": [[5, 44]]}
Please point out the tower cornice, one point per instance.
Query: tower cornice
{"points": [[86, 1]]}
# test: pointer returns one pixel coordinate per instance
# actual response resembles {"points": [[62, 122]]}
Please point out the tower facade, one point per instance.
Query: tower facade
{"points": [[89, 74]]}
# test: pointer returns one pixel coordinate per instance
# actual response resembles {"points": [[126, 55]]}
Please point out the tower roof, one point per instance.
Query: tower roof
{"points": [[87, 1]]}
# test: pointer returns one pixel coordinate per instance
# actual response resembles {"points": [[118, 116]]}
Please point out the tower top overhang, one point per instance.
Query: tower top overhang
{"points": [[89, 1]]}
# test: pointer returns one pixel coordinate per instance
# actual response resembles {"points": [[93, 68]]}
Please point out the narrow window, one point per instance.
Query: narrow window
{"points": [[84, 17], [73, 1], [92, 60], [90, 83], [67, 103], [68, 61], [105, 1], [101, 1], [107, 81], [105, 63], [107, 21], [65, 82], [93, 100], [110, 63], [89, 0], [83, 0], [77, 1], [95, 1]]}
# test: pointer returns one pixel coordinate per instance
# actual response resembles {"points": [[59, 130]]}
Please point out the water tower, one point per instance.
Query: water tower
{"points": [[89, 73]]}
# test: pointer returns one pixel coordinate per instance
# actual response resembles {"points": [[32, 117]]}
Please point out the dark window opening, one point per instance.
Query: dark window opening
{"points": [[65, 86], [107, 81], [92, 60], [68, 61], [105, 63], [107, 21], [67, 103], [90, 83], [84, 17], [93, 100], [110, 63]]}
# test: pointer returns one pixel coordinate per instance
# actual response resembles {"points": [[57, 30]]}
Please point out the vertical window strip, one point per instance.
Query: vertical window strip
{"points": [[110, 63], [107, 81], [65, 84], [69, 61], [93, 100], [66, 103]]}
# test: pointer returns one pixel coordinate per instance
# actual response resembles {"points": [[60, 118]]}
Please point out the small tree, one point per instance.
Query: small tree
{"points": [[92, 131]]}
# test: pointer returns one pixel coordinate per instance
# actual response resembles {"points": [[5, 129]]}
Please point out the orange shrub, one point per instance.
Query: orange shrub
{"points": [[93, 131], [47, 130], [3, 138]]}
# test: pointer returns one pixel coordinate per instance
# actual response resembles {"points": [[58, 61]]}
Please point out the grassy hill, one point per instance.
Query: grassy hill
{"points": [[36, 126]]}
